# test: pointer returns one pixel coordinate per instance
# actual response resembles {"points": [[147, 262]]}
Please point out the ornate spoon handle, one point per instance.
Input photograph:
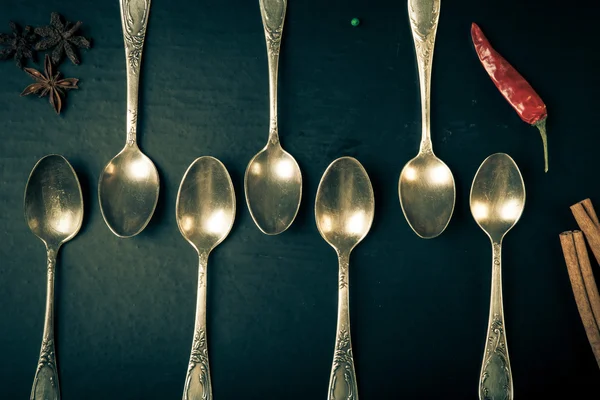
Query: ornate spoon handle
{"points": [[134, 18], [197, 380], [495, 380], [45, 383], [273, 16], [424, 16], [342, 382]]}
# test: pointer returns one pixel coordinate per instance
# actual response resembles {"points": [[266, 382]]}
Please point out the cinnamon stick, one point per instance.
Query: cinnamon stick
{"points": [[592, 331], [589, 208], [589, 227], [587, 275]]}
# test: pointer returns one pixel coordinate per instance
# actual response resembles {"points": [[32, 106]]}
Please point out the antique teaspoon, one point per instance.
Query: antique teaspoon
{"points": [[426, 186], [273, 181], [128, 186], [497, 201], [54, 212], [344, 211], [205, 211]]}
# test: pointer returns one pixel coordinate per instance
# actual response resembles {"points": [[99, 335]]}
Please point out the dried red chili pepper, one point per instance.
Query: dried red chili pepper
{"points": [[515, 89]]}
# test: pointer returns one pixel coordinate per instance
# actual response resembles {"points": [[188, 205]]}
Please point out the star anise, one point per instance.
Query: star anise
{"points": [[49, 84], [18, 45], [62, 37]]}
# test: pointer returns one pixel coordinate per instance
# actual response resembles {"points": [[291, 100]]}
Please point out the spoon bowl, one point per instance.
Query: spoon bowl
{"points": [[53, 208], [273, 189], [427, 194], [128, 192], [345, 204], [205, 212], [497, 195], [53, 201], [205, 204]]}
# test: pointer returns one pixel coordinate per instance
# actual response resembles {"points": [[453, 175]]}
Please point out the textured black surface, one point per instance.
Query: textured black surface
{"points": [[125, 308]]}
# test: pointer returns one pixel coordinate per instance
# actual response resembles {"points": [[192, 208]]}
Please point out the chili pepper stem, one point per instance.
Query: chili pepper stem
{"points": [[541, 125]]}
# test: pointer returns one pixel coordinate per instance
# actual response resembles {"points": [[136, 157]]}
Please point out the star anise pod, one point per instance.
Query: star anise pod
{"points": [[61, 36], [18, 45], [49, 84]]}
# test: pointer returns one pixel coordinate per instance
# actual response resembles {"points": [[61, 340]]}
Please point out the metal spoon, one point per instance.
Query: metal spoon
{"points": [[497, 201], [273, 181], [344, 211], [426, 185], [128, 186], [54, 212], [205, 212]]}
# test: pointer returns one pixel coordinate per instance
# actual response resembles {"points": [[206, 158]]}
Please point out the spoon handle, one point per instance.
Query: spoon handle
{"points": [[197, 380], [495, 380], [273, 16], [342, 382], [45, 383], [424, 16], [134, 18]]}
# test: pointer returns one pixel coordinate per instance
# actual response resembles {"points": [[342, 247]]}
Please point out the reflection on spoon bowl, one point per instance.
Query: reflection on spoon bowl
{"points": [[128, 192], [53, 201], [345, 204], [205, 204], [497, 195], [273, 186], [427, 194]]}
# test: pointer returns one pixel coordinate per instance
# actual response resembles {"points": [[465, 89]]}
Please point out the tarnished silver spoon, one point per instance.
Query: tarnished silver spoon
{"points": [[205, 212], [497, 202], [54, 212], [426, 185], [344, 210], [129, 184], [273, 181]]}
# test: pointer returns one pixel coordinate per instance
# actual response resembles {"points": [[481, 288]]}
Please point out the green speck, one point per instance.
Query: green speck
{"points": [[355, 22]]}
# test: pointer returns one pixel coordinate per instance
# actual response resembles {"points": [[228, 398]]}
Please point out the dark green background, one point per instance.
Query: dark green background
{"points": [[125, 308]]}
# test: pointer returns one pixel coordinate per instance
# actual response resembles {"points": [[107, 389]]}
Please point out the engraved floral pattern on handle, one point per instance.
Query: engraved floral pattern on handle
{"points": [[342, 382], [135, 22], [202, 266], [134, 19], [344, 265], [343, 377], [273, 17], [45, 383], [273, 37], [495, 381], [424, 17], [495, 378], [131, 134], [197, 383]]}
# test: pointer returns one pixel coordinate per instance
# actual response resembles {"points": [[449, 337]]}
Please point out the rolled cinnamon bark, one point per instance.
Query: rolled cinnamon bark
{"points": [[588, 226], [589, 208], [585, 311], [587, 275]]}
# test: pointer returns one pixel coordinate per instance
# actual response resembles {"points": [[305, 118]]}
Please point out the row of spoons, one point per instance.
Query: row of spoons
{"points": [[205, 212], [129, 184]]}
